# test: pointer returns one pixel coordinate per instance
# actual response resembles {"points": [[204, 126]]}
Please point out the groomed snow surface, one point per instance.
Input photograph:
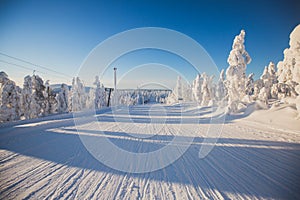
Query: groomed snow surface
{"points": [[253, 158]]}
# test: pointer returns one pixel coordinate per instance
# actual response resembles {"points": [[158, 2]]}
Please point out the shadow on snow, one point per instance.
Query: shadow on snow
{"points": [[234, 165]]}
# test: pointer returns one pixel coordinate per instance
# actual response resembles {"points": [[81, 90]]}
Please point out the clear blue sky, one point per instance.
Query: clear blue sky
{"points": [[60, 34]]}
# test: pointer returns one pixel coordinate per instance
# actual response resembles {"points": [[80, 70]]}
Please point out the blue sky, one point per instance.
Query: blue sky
{"points": [[60, 34]]}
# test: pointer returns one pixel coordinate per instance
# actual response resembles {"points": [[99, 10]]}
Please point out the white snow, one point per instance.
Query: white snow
{"points": [[252, 159]]}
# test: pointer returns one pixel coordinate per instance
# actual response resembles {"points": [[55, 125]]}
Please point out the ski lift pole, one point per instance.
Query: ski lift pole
{"points": [[115, 86], [115, 79]]}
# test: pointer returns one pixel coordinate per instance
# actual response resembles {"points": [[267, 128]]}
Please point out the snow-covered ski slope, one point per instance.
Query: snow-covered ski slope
{"points": [[45, 158]]}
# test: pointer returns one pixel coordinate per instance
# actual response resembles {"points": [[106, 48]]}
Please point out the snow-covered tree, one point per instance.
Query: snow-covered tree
{"points": [[289, 69], [236, 72], [272, 73], [267, 83], [37, 103], [77, 95], [221, 90], [273, 80], [250, 85], [91, 100], [99, 94], [62, 99], [178, 88], [9, 99], [103, 97], [269, 80], [26, 98], [196, 88], [187, 94], [263, 96], [298, 100], [206, 90], [50, 99]]}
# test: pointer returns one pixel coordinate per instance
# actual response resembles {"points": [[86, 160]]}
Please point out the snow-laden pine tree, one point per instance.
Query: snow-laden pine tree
{"points": [[221, 90], [187, 94], [289, 69], [50, 99], [9, 99], [273, 80], [250, 85], [37, 103], [206, 90], [103, 97], [26, 97], [77, 95], [236, 73], [272, 73], [90, 99], [178, 88], [99, 94], [177, 92], [62, 99], [212, 90], [196, 88], [263, 97], [258, 85], [269, 80], [267, 84]]}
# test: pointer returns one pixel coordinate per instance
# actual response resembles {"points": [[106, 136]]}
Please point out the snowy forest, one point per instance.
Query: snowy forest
{"points": [[234, 90], [38, 99]]}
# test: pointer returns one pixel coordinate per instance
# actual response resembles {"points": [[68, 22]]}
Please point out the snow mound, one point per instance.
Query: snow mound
{"points": [[283, 116]]}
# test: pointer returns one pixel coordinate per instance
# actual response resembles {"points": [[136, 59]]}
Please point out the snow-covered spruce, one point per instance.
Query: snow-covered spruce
{"points": [[266, 86], [62, 99], [206, 91], [26, 98], [289, 70], [97, 95], [38, 101], [236, 73], [182, 91], [250, 85], [221, 89], [196, 88], [50, 99], [77, 95], [9, 99]]}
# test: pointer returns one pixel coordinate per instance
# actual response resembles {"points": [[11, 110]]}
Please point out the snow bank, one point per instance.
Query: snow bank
{"points": [[283, 116]]}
